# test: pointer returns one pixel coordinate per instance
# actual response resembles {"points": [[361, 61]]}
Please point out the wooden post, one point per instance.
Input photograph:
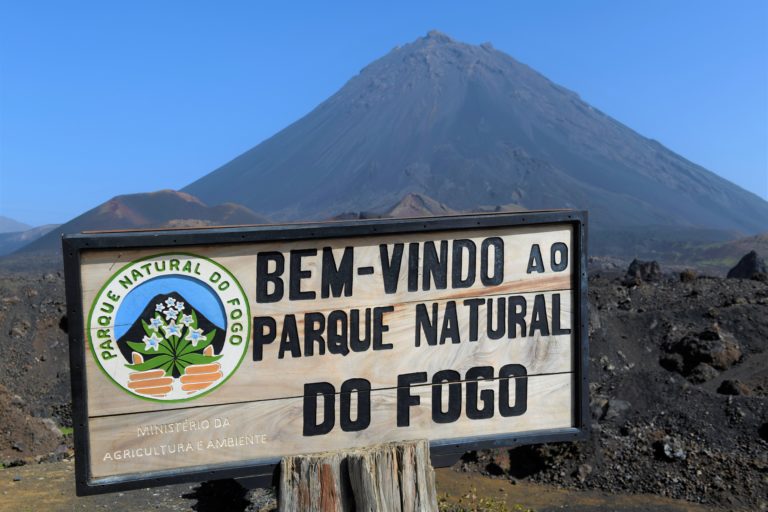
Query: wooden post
{"points": [[394, 477]]}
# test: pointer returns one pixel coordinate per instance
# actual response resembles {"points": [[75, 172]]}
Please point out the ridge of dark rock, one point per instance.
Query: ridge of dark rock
{"points": [[164, 208]]}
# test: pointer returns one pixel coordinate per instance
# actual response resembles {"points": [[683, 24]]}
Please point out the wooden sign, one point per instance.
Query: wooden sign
{"points": [[211, 353]]}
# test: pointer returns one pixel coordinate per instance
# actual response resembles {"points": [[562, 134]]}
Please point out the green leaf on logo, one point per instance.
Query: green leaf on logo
{"points": [[199, 359], [204, 342], [151, 364]]}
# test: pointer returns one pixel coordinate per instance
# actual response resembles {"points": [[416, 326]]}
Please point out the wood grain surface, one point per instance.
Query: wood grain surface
{"points": [[258, 414], [240, 259], [280, 424], [396, 477], [276, 378]]}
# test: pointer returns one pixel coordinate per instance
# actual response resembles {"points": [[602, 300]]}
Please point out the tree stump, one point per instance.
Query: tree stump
{"points": [[394, 477]]}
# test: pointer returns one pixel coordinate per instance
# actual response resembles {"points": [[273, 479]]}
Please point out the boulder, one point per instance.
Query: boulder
{"points": [[583, 472], [701, 373], [670, 449], [616, 409], [642, 272], [712, 347], [672, 362], [598, 406], [750, 266], [734, 387]]}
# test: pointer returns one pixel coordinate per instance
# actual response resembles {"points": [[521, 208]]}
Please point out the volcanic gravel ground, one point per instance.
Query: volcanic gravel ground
{"points": [[679, 374], [35, 410]]}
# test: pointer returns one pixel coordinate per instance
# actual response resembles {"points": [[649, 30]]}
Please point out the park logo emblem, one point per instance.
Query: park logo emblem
{"points": [[169, 327]]}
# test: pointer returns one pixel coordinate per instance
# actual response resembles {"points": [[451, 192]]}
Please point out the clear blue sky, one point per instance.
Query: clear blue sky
{"points": [[103, 98]]}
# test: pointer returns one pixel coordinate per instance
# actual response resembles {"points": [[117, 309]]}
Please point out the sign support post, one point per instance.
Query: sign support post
{"points": [[393, 476]]}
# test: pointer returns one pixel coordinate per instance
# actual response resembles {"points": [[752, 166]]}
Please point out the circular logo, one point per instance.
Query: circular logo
{"points": [[170, 327]]}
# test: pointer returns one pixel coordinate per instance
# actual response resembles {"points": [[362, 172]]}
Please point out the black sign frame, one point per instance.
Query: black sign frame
{"points": [[264, 472]]}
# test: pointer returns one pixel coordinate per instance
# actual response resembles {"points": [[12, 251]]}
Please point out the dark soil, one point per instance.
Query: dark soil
{"points": [[35, 411], [679, 396], [23, 436], [34, 355]]}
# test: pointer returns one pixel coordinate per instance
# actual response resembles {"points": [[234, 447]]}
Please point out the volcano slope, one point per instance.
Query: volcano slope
{"points": [[469, 125]]}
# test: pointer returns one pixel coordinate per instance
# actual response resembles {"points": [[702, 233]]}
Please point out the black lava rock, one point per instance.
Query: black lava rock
{"points": [[642, 272], [748, 267]]}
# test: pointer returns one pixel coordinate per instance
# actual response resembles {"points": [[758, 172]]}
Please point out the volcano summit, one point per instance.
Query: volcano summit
{"points": [[471, 126]]}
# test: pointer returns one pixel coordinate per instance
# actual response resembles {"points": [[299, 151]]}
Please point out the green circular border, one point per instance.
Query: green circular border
{"points": [[148, 399]]}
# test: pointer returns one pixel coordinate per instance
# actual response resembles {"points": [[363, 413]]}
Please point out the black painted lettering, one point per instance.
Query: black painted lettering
{"points": [[264, 277], [404, 397], [501, 315], [435, 267], [454, 396], [337, 333], [297, 275], [498, 261], [426, 324], [413, 267], [485, 396], [264, 333], [559, 257], [313, 392], [474, 305], [518, 376], [450, 329], [363, 389], [556, 329], [289, 340], [390, 267], [356, 343], [535, 263], [379, 328], [459, 248], [539, 316], [518, 308], [314, 325], [335, 281]]}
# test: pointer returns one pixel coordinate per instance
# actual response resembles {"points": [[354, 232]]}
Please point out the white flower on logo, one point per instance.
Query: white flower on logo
{"points": [[151, 342], [170, 302], [186, 319], [155, 323], [172, 329], [171, 314], [159, 307], [195, 335], [180, 306]]}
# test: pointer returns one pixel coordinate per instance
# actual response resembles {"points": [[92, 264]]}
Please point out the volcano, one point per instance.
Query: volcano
{"points": [[470, 126]]}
